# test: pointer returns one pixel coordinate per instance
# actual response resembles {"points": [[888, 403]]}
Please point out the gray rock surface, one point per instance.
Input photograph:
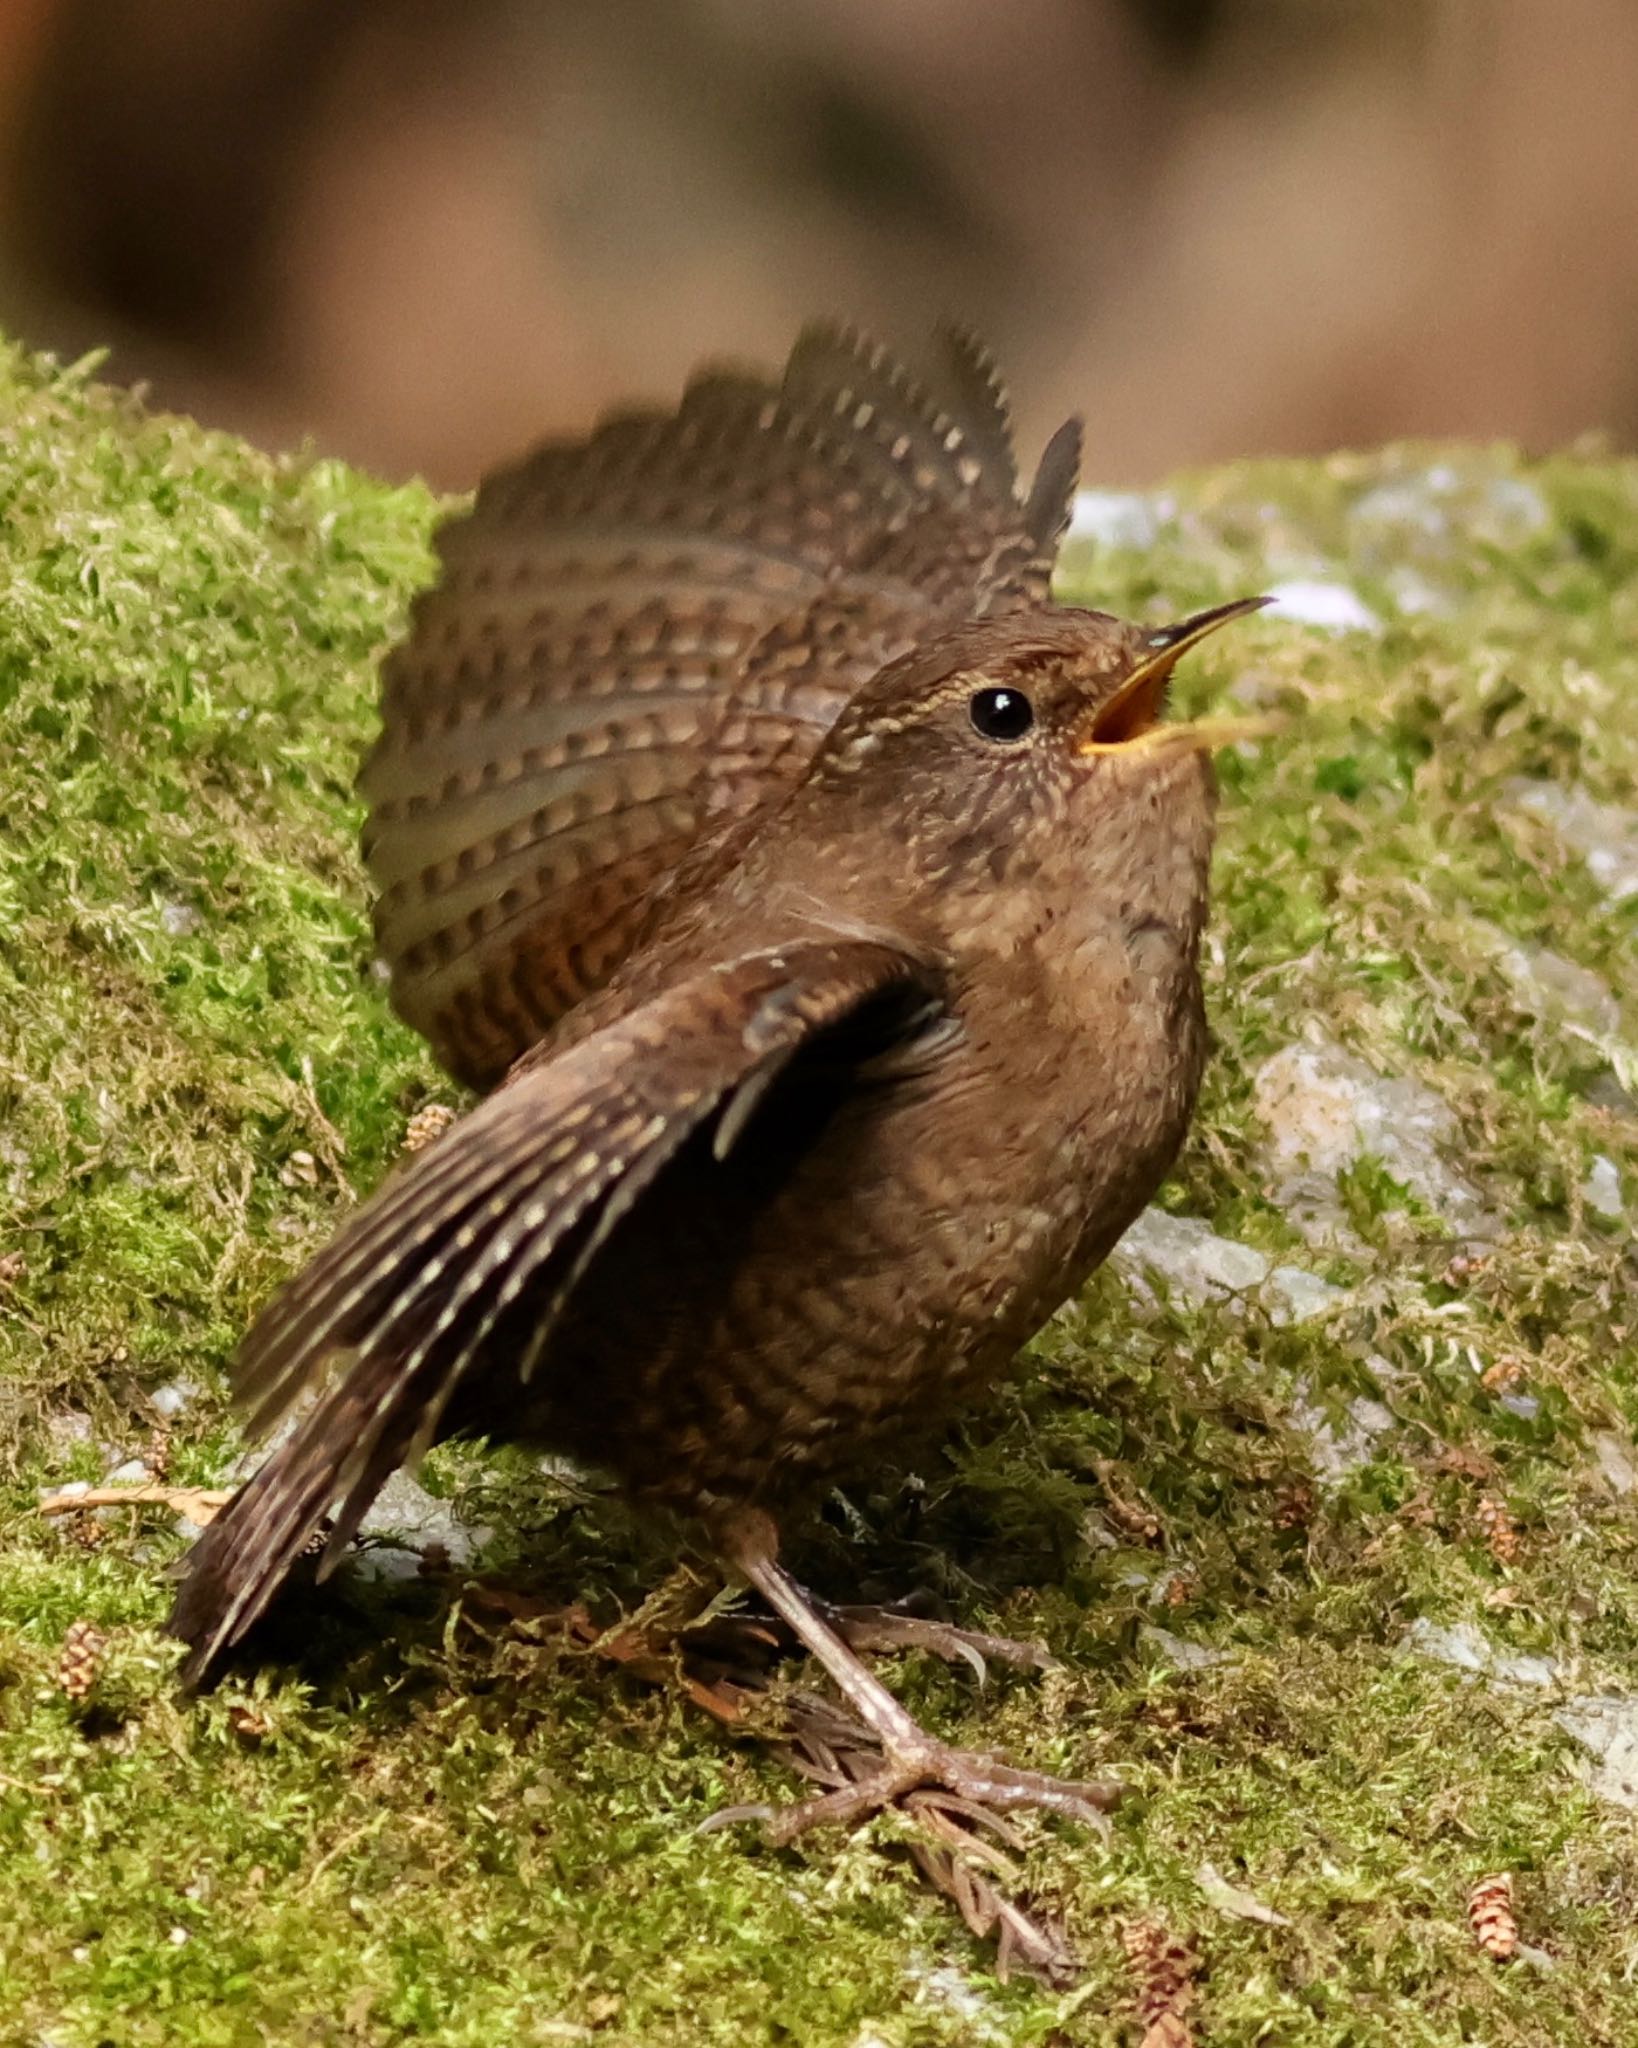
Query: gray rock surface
{"points": [[1552, 988], [1201, 1266], [1606, 1726], [1446, 509], [1341, 1447], [1605, 835], [1325, 1109], [1466, 1648], [1183, 1656], [407, 1515], [1601, 1190], [1617, 1462]]}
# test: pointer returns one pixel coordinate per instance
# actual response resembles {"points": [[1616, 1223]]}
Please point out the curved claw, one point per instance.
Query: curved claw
{"points": [[732, 1816]]}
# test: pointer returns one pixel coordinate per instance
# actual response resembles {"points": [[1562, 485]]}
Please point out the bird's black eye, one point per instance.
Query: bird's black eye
{"points": [[1001, 714]]}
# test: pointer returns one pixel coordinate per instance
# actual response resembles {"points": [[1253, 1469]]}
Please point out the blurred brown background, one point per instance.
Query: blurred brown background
{"points": [[425, 234]]}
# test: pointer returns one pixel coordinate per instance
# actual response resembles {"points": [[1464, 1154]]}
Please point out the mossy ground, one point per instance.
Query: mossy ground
{"points": [[447, 1836]]}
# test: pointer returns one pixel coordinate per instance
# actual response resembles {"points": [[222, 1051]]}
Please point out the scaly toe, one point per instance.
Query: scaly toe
{"points": [[979, 1782], [893, 1628]]}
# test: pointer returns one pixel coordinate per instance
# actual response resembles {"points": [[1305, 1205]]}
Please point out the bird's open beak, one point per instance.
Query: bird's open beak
{"points": [[1134, 710]]}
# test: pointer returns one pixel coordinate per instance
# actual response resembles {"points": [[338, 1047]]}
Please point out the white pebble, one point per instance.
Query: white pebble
{"points": [[1332, 606], [1416, 597], [1601, 1190], [1183, 1656], [1117, 519], [1201, 1266], [1605, 835]]}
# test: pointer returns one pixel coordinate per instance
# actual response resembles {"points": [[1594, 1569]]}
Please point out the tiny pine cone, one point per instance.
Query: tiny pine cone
{"points": [[428, 1123], [1131, 1518], [1134, 1521], [81, 1659], [1463, 1463], [1294, 1505], [1163, 1976], [1490, 1915], [1501, 1532], [1171, 2030]]}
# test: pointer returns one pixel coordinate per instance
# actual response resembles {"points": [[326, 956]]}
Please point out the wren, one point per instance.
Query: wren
{"points": [[819, 906]]}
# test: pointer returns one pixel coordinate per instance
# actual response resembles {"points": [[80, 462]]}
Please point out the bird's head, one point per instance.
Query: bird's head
{"points": [[1027, 748]]}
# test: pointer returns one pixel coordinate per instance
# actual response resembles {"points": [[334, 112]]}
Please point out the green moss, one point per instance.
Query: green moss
{"points": [[433, 1831]]}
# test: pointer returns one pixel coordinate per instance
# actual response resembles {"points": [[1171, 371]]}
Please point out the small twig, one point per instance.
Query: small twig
{"points": [[329, 1140], [348, 1839], [199, 1504], [41, 1791]]}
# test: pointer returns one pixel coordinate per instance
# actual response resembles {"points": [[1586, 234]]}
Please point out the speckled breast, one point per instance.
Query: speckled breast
{"points": [[863, 1261]]}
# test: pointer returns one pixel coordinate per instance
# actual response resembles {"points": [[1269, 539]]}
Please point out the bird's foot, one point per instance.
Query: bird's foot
{"points": [[914, 1766], [900, 1627], [968, 1781]]}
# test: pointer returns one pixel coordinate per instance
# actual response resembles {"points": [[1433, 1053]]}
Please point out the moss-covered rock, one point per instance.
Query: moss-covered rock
{"points": [[1325, 1495]]}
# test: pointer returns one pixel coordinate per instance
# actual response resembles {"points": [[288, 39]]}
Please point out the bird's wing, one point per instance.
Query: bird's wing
{"points": [[466, 1258], [637, 636]]}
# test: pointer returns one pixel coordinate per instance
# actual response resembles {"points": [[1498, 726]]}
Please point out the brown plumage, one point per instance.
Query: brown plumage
{"points": [[825, 905]]}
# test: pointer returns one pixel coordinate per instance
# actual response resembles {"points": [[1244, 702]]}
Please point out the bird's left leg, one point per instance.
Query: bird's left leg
{"points": [[911, 1758]]}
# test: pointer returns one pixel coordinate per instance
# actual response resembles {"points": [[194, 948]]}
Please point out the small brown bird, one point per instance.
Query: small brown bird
{"points": [[822, 906]]}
